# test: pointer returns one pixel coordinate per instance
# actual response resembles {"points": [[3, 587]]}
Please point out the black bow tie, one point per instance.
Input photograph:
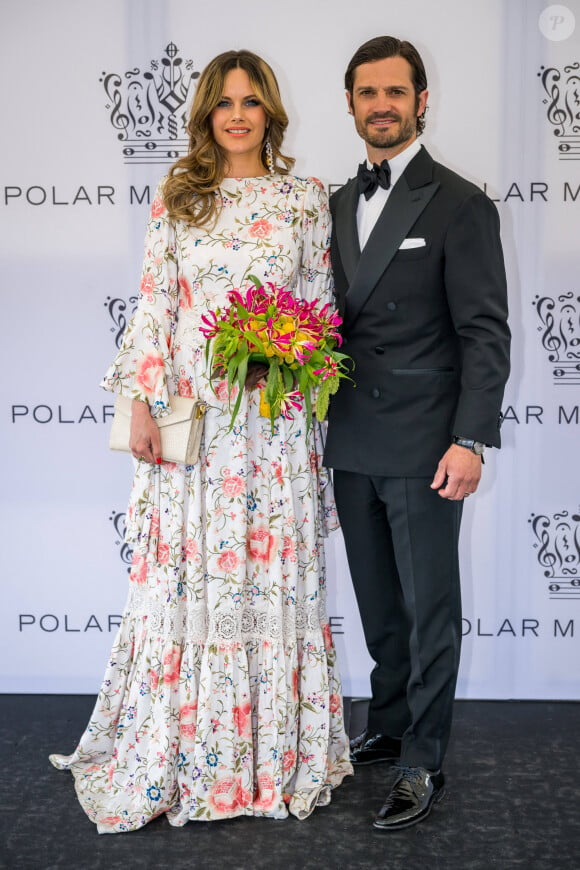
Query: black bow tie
{"points": [[369, 179]]}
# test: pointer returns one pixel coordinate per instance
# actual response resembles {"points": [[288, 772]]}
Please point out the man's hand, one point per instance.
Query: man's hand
{"points": [[256, 372], [457, 474], [144, 440]]}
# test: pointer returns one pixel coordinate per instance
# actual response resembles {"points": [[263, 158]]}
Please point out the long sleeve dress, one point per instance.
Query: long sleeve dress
{"points": [[221, 696]]}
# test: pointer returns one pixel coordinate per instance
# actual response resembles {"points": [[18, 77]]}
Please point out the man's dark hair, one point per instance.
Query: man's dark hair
{"points": [[389, 46]]}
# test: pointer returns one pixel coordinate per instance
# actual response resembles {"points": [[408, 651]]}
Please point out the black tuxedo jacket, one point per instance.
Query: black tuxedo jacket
{"points": [[425, 325]]}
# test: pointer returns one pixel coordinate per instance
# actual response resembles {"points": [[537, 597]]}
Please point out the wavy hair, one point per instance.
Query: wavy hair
{"points": [[190, 188]]}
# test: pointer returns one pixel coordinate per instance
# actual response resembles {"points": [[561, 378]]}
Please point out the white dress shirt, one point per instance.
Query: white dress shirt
{"points": [[368, 210]]}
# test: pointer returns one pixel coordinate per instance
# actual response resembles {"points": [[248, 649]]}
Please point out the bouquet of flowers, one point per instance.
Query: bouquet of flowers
{"points": [[296, 339]]}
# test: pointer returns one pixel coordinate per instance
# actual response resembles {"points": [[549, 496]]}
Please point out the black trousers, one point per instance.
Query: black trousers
{"points": [[402, 546]]}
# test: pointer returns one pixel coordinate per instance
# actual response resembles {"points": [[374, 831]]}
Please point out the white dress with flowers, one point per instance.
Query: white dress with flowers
{"points": [[221, 696]]}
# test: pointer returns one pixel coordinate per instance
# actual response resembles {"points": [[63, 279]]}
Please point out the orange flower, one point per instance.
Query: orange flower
{"points": [[243, 720], [262, 546], [157, 207], [150, 372], [261, 229]]}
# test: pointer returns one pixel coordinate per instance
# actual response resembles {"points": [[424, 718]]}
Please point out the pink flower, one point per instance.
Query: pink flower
{"points": [[289, 548], [184, 388], [188, 722], [185, 295], [243, 720], [148, 285], [190, 549], [171, 664], [154, 527], [262, 546], [153, 678], [150, 372], [289, 760], [261, 229], [233, 485], [224, 393], [138, 569], [227, 795], [157, 207], [266, 794], [162, 552], [109, 821], [295, 683], [228, 561], [334, 703], [327, 637]]}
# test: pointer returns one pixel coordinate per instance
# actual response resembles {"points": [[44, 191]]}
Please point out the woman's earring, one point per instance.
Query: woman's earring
{"points": [[269, 157]]}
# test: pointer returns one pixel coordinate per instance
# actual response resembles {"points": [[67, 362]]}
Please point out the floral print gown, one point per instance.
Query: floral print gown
{"points": [[221, 696]]}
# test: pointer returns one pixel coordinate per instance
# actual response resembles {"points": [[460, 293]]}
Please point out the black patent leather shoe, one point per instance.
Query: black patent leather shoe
{"points": [[370, 748], [410, 799]]}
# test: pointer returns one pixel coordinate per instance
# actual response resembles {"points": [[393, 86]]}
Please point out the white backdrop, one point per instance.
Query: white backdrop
{"points": [[504, 112]]}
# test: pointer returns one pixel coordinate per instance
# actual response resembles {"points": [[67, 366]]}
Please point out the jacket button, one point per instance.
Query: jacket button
{"points": [[392, 306], [379, 350], [375, 392]]}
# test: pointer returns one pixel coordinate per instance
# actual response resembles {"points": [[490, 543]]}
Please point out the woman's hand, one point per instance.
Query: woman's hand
{"points": [[144, 440]]}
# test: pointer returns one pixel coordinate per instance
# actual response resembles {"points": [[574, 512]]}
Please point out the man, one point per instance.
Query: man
{"points": [[420, 283]]}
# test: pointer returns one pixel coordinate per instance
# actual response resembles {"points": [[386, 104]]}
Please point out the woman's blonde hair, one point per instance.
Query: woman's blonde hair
{"points": [[190, 189]]}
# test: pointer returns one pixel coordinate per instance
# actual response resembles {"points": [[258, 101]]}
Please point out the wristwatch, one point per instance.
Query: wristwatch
{"points": [[475, 446]]}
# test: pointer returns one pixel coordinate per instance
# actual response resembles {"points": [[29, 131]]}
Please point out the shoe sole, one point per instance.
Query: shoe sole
{"points": [[411, 822]]}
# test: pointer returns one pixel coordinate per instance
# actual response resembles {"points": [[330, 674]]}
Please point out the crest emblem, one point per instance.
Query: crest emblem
{"points": [[560, 328], [117, 309], [562, 89], [148, 109], [558, 552]]}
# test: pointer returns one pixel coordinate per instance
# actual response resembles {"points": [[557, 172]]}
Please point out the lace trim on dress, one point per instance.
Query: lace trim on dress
{"points": [[228, 624]]}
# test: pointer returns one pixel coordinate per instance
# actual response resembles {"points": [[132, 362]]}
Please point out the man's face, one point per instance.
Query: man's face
{"points": [[385, 106]]}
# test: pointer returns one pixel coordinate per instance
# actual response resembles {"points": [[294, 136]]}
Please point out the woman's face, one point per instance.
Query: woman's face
{"points": [[239, 122]]}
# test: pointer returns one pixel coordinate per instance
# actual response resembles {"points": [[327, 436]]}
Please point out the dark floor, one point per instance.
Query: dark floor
{"points": [[513, 800]]}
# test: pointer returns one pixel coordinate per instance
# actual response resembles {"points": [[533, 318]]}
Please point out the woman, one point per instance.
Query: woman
{"points": [[221, 697]]}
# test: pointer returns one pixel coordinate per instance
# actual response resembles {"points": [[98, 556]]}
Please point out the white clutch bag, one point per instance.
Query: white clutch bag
{"points": [[180, 431]]}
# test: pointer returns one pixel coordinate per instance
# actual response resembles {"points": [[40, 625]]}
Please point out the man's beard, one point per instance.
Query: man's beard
{"points": [[387, 138]]}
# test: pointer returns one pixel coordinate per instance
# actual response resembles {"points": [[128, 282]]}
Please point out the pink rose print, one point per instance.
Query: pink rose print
{"points": [[224, 394], [289, 760], [188, 722], [138, 569], [148, 286], [289, 548], [227, 795], [313, 460], [153, 679], [185, 296], [233, 485], [327, 637], [295, 682], [228, 561], [243, 720], [150, 372], [262, 546], [154, 527], [184, 388], [157, 207], [266, 795], [261, 229], [317, 182], [162, 552], [190, 549], [171, 664], [109, 821], [326, 258], [334, 703]]}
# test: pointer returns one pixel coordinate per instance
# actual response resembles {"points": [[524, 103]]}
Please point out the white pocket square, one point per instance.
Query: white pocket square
{"points": [[412, 243]]}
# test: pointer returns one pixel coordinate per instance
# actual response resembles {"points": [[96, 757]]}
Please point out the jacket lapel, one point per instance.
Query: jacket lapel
{"points": [[346, 230], [410, 195]]}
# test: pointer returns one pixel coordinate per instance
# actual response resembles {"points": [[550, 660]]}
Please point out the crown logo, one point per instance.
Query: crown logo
{"points": [[563, 102], [148, 108], [125, 551], [560, 319], [558, 546]]}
